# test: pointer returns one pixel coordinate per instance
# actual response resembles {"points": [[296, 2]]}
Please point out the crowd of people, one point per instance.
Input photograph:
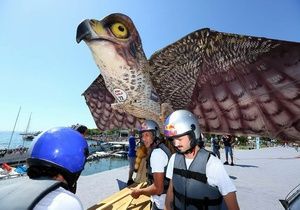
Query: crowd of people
{"points": [[189, 178]]}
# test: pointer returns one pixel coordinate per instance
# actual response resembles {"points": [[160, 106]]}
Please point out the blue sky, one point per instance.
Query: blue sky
{"points": [[45, 71]]}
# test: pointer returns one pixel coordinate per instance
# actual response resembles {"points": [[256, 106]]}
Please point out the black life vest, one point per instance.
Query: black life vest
{"points": [[19, 194], [190, 187], [149, 169]]}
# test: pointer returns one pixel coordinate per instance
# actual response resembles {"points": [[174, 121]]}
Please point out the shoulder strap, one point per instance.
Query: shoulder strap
{"points": [[165, 149], [25, 193], [197, 169]]}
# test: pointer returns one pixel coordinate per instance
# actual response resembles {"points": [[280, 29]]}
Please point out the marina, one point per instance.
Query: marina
{"points": [[103, 155], [262, 177], [269, 168], [234, 65]]}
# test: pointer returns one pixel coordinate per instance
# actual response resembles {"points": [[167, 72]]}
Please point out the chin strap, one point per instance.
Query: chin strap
{"points": [[189, 151], [193, 145], [72, 181], [155, 142]]}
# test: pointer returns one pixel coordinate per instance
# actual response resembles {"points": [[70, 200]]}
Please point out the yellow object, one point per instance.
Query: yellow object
{"points": [[123, 200], [140, 164], [136, 166], [119, 30], [141, 151], [137, 161]]}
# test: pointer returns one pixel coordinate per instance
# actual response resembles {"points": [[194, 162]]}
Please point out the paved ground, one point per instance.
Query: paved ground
{"points": [[94, 188], [262, 177]]}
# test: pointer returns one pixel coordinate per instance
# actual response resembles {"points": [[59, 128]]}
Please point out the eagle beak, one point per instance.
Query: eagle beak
{"points": [[83, 31]]}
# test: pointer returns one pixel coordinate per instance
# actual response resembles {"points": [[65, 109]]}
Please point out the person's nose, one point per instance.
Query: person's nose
{"points": [[144, 139], [175, 142]]}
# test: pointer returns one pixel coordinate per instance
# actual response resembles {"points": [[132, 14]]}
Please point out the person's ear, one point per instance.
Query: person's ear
{"points": [[60, 178]]}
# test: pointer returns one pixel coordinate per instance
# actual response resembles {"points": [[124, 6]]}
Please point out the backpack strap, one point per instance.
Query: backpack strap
{"points": [[25, 193]]}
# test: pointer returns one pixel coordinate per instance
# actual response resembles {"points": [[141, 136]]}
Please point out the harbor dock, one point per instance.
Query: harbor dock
{"points": [[261, 177]]}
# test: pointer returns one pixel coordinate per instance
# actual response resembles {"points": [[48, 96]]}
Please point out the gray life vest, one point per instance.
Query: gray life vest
{"points": [[25, 193], [190, 187], [149, 168]]}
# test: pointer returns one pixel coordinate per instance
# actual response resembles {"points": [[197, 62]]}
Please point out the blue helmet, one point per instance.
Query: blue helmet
{"points": [[59, 147]]}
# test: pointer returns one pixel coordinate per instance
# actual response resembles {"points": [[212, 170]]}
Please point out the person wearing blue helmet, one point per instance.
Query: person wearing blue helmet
{"points": [[55, 161], [198, 179]]}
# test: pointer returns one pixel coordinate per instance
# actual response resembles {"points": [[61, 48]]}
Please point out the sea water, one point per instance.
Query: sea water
{"points": [[15, 142], [91, 167], [103, 164]]}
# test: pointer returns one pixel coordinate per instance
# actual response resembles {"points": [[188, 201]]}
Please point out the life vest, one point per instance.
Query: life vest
{"points": [[190, 187], [25, 193], [149, 168]]}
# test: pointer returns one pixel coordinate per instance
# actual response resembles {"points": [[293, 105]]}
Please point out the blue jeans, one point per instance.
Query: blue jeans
{"points": [[228, 150]]}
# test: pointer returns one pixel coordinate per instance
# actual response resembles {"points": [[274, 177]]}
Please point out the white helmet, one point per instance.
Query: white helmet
{"points": [[150, 125], [183, 122]]}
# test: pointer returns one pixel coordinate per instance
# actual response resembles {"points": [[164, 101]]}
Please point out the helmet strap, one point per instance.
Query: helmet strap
{"points": [[193, 143], [71, 179], [189, 151]]}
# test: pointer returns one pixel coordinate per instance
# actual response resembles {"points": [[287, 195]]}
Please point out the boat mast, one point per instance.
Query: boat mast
{"points": [[27, 128], [14, 128]]}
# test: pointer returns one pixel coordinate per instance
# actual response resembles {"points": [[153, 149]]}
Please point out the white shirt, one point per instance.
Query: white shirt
{"points": [[59, 199], [158, 161], [215, 172]]}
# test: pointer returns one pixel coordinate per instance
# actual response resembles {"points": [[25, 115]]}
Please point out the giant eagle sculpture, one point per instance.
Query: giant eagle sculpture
{"points": [[235, 84]]}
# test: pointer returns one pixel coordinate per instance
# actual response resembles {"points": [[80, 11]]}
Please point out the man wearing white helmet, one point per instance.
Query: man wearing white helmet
{"points": [[157, 162], [198, 179]]}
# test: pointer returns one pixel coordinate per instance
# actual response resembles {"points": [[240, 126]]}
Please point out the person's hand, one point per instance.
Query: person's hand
{"points": [[135, 193]]}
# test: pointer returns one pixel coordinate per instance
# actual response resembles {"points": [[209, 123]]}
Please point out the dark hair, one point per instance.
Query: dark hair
{"points": [[81, 129], [39, 169], [35, 172]]}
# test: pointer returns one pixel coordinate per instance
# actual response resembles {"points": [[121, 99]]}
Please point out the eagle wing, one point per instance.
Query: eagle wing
{"points": [[99, 101], [235, 84]]}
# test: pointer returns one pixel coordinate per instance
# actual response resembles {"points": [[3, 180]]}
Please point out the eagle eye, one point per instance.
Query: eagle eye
{"points": [[119, 30]]}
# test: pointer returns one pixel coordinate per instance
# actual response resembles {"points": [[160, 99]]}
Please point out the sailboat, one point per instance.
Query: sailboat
{"points": [[28, 136]]}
